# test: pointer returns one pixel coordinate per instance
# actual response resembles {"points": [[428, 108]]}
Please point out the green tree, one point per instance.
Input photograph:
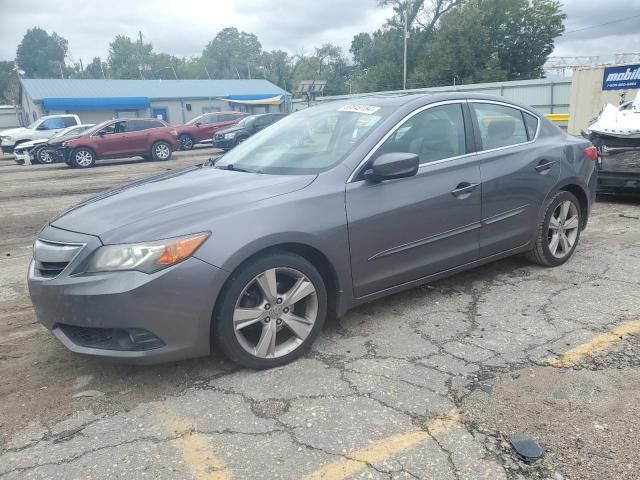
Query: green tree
{"points": [[41, 55], [277, 67], [8, 83], [232, 54], [128, 59], [491, 40], [327, 63], [96, 69]]}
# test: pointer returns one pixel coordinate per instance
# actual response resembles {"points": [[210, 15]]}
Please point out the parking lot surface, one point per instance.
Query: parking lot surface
{"points": [[427, 384]]}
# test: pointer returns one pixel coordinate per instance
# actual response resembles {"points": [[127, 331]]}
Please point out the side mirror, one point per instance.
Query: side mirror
{"points": [[198, 124], [101, 134], [41, 127], [389, 166]]}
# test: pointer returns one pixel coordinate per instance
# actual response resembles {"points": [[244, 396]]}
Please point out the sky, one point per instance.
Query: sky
{"points": [[183, 28]]}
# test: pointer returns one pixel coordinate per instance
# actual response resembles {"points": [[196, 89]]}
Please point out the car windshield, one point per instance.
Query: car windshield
{"points": [[33, 125], [306, 142], [246, 122]]}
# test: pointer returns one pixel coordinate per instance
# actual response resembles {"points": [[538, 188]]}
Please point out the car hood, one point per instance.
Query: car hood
{"points": [[173, 204], [30, 144], [13, 131], [230, 129]]}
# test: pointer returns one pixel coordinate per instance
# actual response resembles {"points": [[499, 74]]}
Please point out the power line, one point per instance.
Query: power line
{"points": [[600, 25]]}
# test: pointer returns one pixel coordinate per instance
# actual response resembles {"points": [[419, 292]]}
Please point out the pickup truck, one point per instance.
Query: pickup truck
{"points": [[43, 128]]}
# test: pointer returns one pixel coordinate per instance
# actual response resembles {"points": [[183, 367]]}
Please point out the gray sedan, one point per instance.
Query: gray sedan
{"points": [[329, 208]]}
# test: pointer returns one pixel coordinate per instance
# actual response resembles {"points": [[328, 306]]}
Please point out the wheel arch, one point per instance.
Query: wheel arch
{"points": [[313, 255], [582, 197], [576, 187]]}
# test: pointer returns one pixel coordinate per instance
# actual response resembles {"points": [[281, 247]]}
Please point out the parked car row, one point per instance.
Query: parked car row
{"points": [[62, 138]]}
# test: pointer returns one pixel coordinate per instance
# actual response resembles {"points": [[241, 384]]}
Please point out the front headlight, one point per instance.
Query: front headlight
{"points": [[229, 136], [64, 144], [145, 257]]}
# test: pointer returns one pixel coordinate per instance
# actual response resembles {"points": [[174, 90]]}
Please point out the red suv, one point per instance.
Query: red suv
{"points": [[202, 128], [148, 137]]}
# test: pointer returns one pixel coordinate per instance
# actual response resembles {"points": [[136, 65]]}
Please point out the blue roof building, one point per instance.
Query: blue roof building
{"points": [[177, 101]]}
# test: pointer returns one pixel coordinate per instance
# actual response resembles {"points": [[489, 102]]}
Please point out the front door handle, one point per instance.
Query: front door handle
{"points": [[464, 189], [543, 167]]}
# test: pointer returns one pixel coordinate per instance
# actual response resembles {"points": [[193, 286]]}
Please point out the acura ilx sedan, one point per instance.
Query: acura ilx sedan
{"points": [[331, 207]]}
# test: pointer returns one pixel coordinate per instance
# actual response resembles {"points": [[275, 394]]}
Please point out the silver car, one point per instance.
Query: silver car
{"points": [[331, 207]]}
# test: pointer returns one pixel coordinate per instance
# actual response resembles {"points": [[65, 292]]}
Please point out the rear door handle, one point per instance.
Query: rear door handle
{"points": [[544, 166], [464, 189]]}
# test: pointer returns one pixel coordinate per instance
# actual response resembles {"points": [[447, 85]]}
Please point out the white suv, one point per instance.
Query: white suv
{"points": [[45, 127]]}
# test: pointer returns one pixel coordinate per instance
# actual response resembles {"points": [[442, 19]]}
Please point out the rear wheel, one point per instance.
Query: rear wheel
{"points": [[558, 232], [161, 151], [82, 158], [186, 141], [271, 311]]}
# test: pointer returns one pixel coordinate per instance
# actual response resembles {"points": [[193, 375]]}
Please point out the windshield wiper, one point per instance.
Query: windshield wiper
{"points": [[231, 166]]}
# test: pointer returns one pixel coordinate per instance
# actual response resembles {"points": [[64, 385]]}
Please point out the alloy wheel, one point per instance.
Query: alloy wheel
{"points": [[162, 151], [187, 142], [275, 312], [563, 229], [84, 158], [44, 156]]}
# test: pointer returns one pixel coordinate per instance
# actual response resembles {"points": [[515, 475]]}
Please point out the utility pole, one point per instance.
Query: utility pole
{"points": [[406, 34], [207, 70]]}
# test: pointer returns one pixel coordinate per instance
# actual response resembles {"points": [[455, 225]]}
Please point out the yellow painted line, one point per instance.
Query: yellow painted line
{"points": [[596, 344], [557, 117], [196, 450], [383, 449]]}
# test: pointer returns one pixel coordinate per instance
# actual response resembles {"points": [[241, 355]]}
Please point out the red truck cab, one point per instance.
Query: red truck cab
{"points": [[203, 128]]}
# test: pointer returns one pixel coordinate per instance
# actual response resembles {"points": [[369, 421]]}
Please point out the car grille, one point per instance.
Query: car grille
{"points": [[131, 339], [219, 136], [51, 258]]}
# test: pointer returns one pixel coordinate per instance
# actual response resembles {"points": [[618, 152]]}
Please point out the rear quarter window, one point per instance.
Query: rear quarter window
{"points": [[531, 123], [500, 126]]}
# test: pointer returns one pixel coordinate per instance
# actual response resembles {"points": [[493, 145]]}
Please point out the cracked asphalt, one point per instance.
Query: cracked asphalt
{"points": [[426, 384]]}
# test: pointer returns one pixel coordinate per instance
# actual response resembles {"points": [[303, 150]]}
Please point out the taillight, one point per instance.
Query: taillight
{"points": [[591, 152]]}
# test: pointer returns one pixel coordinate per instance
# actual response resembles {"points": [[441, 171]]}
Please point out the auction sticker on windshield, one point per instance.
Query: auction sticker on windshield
{"points": [[368, 109]]}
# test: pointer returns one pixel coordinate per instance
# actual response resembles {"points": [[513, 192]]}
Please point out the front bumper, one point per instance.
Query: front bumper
{"points": [[175, 304], [223, 144], [7, 148], [22, 156]]}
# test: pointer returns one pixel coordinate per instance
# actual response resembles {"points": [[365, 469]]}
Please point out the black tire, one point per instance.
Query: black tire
{"points": [[223, 329], [161, 151], [541, 253], [40, 155], [187, 142], [82, 157]]}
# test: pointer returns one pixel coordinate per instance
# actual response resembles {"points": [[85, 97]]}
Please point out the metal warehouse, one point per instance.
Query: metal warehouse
{"points": [[176, 101]]}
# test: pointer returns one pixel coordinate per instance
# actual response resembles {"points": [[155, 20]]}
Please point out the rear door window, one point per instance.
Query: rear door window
{"points": [[69, 121], [500, 126]]}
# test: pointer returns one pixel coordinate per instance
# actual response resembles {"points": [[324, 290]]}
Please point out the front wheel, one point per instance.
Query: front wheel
{"points": [[161, 151], [41, 155], [82, 158], [271, 311], [558, 232]]}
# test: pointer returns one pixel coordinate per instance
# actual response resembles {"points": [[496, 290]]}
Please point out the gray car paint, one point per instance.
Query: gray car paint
{"points": [[368, 239]]}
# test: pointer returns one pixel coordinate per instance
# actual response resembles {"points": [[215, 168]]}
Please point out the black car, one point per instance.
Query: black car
{"points": [[228, 138]]}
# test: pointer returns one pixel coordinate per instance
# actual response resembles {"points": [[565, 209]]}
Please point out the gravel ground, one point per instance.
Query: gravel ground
{"points": [[429, 383]]}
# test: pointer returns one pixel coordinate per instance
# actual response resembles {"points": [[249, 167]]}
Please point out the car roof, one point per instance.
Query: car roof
{"points": [[400, 100]]}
